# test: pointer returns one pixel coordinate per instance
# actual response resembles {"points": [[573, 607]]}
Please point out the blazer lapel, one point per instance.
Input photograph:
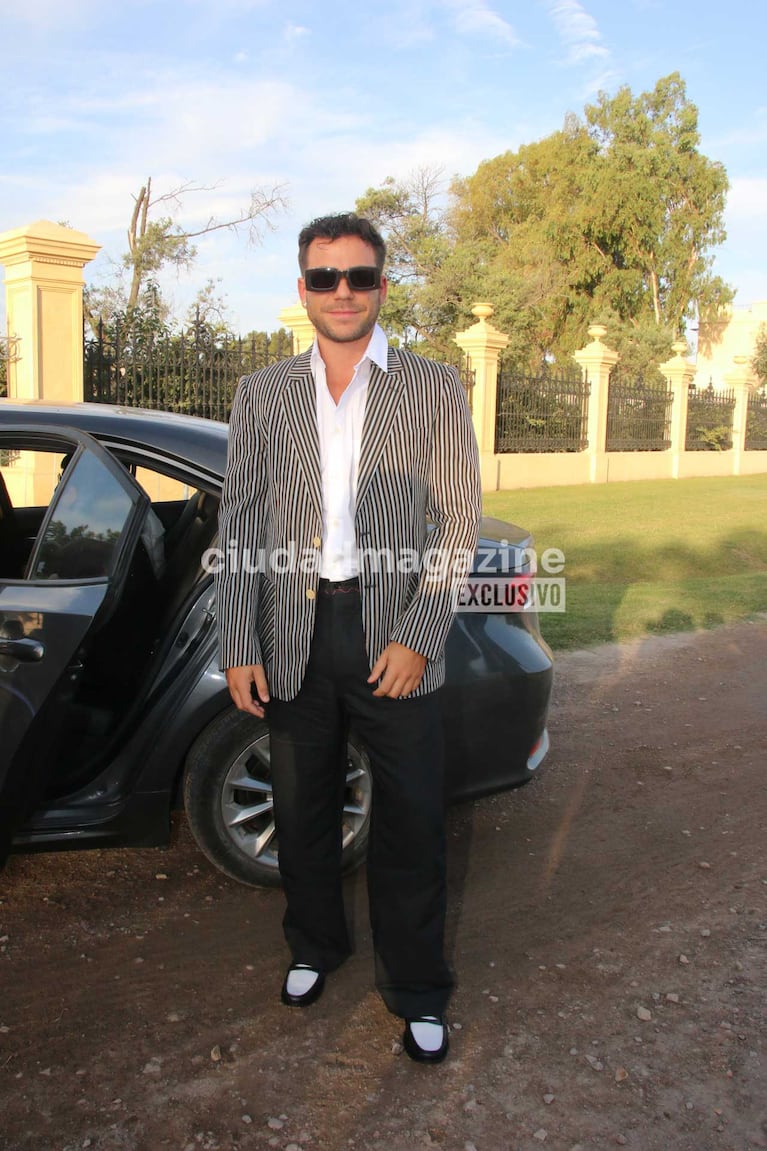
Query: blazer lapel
{"points": [[299, 403], [385, 392]]}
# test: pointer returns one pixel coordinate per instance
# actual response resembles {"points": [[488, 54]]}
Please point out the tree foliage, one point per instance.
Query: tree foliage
{"points": [[759, 361], [660, 198], [426, 279], [611, 219]]}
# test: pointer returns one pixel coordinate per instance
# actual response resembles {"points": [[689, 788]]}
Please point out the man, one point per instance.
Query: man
{"points": [[342, 456]]}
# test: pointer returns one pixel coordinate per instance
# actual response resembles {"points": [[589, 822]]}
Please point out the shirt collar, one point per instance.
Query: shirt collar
{"points": [[377, 351]]}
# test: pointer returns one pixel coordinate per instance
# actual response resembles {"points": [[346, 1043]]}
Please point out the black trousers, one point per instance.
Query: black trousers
{"points": [[406, 850]]}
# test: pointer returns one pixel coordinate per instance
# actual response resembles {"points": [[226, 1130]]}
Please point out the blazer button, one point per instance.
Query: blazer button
{"points": [[317, 541], [310, 593]]}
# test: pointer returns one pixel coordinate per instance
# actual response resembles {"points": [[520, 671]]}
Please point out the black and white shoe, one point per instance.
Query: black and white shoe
{"points": [[425, 1039], [303, 985]]}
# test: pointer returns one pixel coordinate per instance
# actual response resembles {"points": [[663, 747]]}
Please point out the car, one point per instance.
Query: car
{"points": [[113, 708]]}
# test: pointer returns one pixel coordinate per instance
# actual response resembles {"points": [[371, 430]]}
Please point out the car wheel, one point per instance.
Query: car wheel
{"points": [[228, 799]]}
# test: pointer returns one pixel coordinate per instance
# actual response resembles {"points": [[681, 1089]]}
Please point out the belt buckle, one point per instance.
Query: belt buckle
{"points": [[339, 587]]}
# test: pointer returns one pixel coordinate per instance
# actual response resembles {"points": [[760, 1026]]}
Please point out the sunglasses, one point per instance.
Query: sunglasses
{"points": [[359, 279]]}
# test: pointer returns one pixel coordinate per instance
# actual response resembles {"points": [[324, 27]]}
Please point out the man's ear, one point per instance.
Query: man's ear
{"points": [[301, 290]]}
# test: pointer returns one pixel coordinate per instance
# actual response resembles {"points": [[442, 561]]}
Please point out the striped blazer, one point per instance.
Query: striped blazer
{"points": [[418, 466]]}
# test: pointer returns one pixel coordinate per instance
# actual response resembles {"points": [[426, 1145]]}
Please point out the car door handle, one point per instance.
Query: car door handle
{"points": [[28, 650]]}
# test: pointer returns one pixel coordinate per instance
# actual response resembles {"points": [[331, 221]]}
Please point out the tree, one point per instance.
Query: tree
{"points": [[759, 361], [524, 216], [156, 241], [657, 200], [6, 353], [425, 278], [612, 218], [209, 308]]}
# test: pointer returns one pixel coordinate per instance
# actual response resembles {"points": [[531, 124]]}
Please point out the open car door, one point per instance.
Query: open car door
{"points": [[71, 581]]}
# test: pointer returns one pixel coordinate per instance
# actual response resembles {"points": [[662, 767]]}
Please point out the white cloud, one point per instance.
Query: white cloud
{"points": [[101, 203], [750, 132], [211, 118], [476, 17], [171, 123], [742, 259], [578, 30], [224, 5], [330, 174], [405, 24], [293, 32], [747, 199], [48, 14], [603, 80]]}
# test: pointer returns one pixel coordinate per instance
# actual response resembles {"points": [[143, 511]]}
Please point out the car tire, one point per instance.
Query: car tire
{"points": [[228, 799]]}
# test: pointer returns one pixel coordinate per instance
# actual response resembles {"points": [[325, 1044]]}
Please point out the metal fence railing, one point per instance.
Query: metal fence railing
{"points": [[9, 346], [468, 378], [756, 421], [192, 372], [545, 411], [638, 415], [8, 353], [709, 419]]}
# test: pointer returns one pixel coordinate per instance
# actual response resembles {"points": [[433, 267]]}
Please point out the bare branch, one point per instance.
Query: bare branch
{"points": [[175, 195], [261, 204]]}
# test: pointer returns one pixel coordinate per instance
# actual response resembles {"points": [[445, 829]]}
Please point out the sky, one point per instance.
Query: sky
{"points": [[326, 99]]}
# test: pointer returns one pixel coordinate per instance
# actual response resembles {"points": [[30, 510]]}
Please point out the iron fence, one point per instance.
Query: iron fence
{"points": [[9, 350], [8, 353], [756, 421], [638, 415], [191, 372], [709, 419], [545, 411], [194, 372], [468, 378]]}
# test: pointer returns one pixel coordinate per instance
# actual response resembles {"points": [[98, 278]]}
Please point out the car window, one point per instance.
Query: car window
{"points": [[31, 476], [160, 487], [90, 512]]}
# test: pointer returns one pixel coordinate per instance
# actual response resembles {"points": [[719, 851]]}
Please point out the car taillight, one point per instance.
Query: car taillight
{"points": [[519, 595], [538, 751]]}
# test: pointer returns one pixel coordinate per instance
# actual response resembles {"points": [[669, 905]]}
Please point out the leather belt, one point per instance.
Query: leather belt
{"points": [[339, 587]]}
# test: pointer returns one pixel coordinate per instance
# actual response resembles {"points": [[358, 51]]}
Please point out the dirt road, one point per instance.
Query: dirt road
{"points": [[608, 928]]}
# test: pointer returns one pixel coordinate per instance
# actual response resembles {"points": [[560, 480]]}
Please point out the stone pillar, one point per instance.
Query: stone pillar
{"points": [[743, 380], [483, 344], [44, 307], [296, 321], [680, 373], [596, 362]]}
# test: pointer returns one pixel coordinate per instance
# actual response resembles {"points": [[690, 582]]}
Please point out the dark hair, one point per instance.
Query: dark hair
{"points": [[334, 228]]}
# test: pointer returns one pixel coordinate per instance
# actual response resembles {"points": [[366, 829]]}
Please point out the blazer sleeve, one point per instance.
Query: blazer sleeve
{"points": [[241, 521], [455, 509]]}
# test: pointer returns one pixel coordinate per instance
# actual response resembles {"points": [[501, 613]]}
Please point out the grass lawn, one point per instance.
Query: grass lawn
{"points": [[650, 556]]}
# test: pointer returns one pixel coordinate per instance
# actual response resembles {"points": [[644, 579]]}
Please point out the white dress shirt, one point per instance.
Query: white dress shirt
{"points": [[340, 432]]}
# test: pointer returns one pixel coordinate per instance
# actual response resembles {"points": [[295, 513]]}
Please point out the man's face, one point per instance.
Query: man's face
{"points": [[342, 315]]}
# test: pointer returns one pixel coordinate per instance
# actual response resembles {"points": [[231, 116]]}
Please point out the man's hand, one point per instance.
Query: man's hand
{"points": [[399, 669], [240, 680]]}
